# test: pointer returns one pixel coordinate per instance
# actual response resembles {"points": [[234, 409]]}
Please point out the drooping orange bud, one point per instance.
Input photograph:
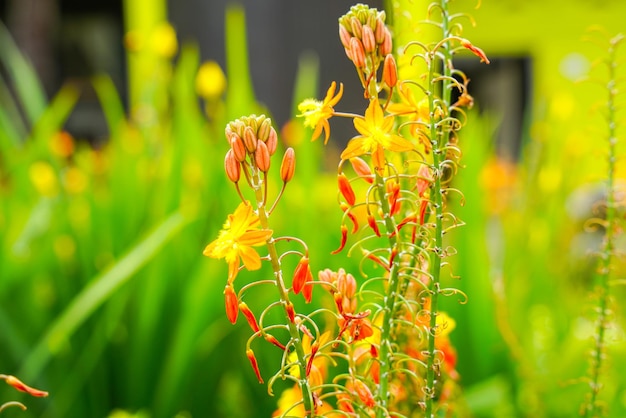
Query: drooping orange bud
{"points": [[271, 339], [357, 53], [475, 50], [362, 169], [386, 46], [344, 36], [291, 312], [232, 166], [355, 222], [346, 189], [364, 393], [344, 239], [272, 141], [22, 387], [243, 307], [288, 166], [371, 221], [368, 39], [255, 364], [262, 157], [231, 302], [301, 275], [423, 206], [249, 139], [393, 190], [390, 71]]}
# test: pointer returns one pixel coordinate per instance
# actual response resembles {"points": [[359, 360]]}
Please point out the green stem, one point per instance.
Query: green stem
{"points": [[307, 393], [439, 138], [591, 409]]}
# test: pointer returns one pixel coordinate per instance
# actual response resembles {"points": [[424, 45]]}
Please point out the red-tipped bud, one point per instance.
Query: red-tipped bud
{"points": [[346, 189], [249, 139], [291, 312], [243, 307], [355, 222], [22, 387], [371, 221], [362, 169], [386, 46], [368, 39], [288, 166], [272, 141], [238, 147], [356, 26], [390, 71], [262, 157], [344, 239], [232, 166], [271, 339], [357, 53], [314, 347], [255, 364], [364, 393], [475, 50], [301, 275], [263, 132], [231, 302]]}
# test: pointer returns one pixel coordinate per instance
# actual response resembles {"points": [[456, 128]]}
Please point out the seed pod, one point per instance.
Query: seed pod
{"points": [[232, 166], [262, 157], [288, 166]]}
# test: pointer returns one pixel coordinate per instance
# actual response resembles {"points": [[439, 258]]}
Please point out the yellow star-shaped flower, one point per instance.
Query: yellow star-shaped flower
{"points": [[316, 113]]}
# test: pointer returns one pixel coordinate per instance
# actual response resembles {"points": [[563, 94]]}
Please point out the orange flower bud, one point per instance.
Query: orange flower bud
{"points": [[378, 158], [301, 275], [386, 45], [291, 312], [314, 347], [232, 166], [262, 157], [288, 166], [355, 222], [249, 139], [338, 298], [379, 31], [362, 169], [357, 53], [346, 189], [424, 179], [271, 339], [373, 351], [475, 50], [22, 387], [368, 39], [344, 239], [423, 206], [344, 36], [356, 26], [346, 284], [371, 221], [326, 276], [307, 292], [364, 393], [390, 71], [393, 190], [255, 364], [272, 141], [231, 300], [264, 129], [243, 307], [238, 147], [375, 372]]}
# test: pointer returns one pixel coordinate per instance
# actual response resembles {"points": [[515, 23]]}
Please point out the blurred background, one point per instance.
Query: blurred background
{"points": [[111, 184]]}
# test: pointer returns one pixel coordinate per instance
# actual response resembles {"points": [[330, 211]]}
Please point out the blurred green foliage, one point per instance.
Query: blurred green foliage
{"points": [[106, 301]]}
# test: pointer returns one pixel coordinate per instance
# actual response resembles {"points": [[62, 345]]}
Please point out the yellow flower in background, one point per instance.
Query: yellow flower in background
{"points": [[235, 241], [418, 113], [375, 129], [163, 40], [210, 81], [44, 178], [316, 113]]}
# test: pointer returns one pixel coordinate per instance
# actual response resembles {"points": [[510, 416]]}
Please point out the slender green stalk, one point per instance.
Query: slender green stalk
{"points": [[606, 260]]}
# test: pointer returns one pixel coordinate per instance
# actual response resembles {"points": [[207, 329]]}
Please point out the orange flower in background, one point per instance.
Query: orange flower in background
{"points": [[376, 134], [235, 241], [316, 113]]}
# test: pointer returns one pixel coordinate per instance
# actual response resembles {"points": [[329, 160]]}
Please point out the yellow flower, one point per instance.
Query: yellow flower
{"points": [[375, 129], [316, 113], [236, 240], [210, 81]]}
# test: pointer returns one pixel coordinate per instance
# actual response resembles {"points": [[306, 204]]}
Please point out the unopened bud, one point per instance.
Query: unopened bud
{"points": [[362, 169], [368, 39], [356, 26], [249, 139], [344, 36], [231, 302], [357, 53], [262, 157], [390, 71], [288, 166], [232, 166], [272, 141], [238, 147], [301, 275], [386, 45], [346, 189], [379, 31], [254, 364], [245, 310], [264, 129]]}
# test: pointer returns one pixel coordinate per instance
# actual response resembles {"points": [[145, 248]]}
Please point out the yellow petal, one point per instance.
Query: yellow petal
{"points": [[250, 258]]}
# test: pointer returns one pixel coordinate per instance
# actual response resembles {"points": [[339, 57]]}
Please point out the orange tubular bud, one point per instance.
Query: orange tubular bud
{"points": [[475, 50], [346, 189], [344, 239], [272, 141], [22, 387], [379, 32], [291, 312], [344, 36], [368, 39], [355, 222], [375, 372], [386, 45], [231, 300], [371, 221], [243, 307], [238, 147], [255, 364], [249, 139], [288, 166], [338, 302], [390, 71], [357, 53], [307, 292], [301, 275], [423, 206], [271, 339], [314, 348], [364, 393], [262, 157], [362, 169], [232, 166]]}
